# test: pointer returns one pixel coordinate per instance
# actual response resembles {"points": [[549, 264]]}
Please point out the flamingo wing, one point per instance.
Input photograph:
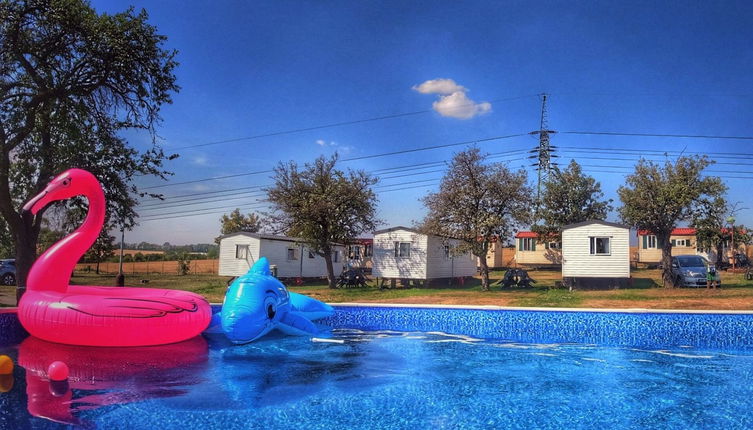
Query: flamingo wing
{"points": [[143, 306]]}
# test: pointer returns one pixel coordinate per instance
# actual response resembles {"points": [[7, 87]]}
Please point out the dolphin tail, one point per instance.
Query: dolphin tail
{"points": [[295, 324], [310, 308]]}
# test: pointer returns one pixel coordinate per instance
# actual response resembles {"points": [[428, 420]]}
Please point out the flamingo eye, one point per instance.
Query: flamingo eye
{"points": [[67, 181]]}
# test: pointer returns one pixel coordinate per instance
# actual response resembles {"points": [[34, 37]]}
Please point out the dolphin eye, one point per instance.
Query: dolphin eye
{"points": [[271, 311]]}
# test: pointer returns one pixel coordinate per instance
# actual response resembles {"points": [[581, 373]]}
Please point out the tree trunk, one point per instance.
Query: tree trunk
{"points": [[484, 274], [97, 271], [666, 261], [331, 280], [719, 257], [26, 252]]}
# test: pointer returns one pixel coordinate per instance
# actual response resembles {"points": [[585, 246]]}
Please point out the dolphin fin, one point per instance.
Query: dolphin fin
{"points": [[310, 308], [295, 324], [261, 267]]}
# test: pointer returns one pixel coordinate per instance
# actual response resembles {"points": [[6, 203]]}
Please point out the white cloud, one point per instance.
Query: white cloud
{"points": [[439, 86], [458, 105], [201, 160], [453, 101]]}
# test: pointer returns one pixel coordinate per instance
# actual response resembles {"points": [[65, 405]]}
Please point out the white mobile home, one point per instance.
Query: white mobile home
{"points": [[239, 251], [404, 253], [596, 254]]}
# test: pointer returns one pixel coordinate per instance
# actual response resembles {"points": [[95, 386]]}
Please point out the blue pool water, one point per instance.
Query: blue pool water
{"points": [[367, 378]]}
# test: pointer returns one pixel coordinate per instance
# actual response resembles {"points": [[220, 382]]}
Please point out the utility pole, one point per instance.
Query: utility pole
{"points": [[120, 279], [543, 153]]}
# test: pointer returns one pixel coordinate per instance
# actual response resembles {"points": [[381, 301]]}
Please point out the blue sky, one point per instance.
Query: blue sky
{"points": [[250, 69]]}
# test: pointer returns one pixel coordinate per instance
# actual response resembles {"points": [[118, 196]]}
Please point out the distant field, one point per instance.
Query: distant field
{"points": [[146, 267]]}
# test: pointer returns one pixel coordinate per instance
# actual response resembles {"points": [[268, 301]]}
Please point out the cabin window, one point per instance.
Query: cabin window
{"points": [[447, 255], [311, 254], [367, 251], [335, 256], [355, 252], [599, 245], [681, 242], [241, 252], [649, 242], [402, 249], [292, 254], [553, 245], [526, 244]]}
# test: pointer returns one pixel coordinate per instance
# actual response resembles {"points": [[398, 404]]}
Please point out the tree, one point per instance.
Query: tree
{"points": [[236, 221], [656, 198], [70, 81], [322, 205], [477, 203], [7, 249], [569, 197], [709, 221], [102, 249], [184, 263]]}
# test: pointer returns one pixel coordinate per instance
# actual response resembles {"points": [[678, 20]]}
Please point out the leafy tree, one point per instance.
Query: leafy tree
{"points": [[48, 237], [103, 248], [709, 221], [322, 205], [184, 263], [569, 197], [236, 221], [476, 203], [70, 81], [656, 198], [7, 250]]}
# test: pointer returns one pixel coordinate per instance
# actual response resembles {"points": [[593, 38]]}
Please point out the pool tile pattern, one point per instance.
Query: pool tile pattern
{"points": [[603, 328]]}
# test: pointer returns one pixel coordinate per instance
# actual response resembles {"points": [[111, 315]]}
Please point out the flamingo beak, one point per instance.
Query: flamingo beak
{"points": [[37, 203]]}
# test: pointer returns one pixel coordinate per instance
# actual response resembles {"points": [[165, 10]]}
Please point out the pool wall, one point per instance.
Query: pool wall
{"points": [[638, 328], [624, 328]]}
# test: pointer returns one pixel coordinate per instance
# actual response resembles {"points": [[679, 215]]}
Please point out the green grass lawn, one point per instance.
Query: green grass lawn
{"points": [[646, 291]]}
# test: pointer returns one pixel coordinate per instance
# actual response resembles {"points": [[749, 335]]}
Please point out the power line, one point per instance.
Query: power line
{"points": [[336, 124], [688, 136], [255, 190], [386, 154]]}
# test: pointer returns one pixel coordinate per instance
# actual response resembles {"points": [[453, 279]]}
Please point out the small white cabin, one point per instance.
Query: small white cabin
{"points": [[239, 251], [596, 254], [404, 253]]}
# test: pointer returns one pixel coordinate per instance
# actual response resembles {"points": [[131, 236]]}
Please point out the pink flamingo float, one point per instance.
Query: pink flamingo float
{"points": [[55, 311]]}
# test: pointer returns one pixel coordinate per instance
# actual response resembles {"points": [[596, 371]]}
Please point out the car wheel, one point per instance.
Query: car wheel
{"points": [[9, 279]]}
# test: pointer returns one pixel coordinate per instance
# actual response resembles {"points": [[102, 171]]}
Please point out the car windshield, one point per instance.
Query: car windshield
{"points": [[691, 261]]}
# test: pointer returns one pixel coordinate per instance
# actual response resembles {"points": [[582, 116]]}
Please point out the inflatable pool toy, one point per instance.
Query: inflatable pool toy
{"points": [[6, 365], [257, 303], [58, 371], [100, 377], [53, 310]]}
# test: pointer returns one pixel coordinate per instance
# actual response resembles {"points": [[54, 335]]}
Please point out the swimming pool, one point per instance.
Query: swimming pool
{"points": [[395, 367]]}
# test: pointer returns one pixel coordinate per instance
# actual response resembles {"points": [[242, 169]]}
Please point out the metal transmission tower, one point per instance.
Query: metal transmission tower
{"points": [[544, 151]]}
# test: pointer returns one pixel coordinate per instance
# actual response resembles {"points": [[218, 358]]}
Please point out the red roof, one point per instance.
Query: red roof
{"points": [[525, 234], [682, 231]]}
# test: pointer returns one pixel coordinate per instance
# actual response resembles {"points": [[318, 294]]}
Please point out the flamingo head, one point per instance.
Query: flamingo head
{"points": [[70, 183]]}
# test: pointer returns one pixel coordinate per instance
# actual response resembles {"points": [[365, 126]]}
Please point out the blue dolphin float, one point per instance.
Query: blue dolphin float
{"points": [[257, 303]]}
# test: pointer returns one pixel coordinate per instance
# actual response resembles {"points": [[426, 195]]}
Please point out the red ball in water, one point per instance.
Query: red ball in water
{"points": [[58, 371]]}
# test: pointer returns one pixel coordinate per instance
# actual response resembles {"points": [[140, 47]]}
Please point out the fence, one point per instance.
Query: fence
{"points": [[146, 267]]}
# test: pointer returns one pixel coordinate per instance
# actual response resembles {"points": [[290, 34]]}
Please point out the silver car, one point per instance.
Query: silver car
{"points": [[691, 270]]}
